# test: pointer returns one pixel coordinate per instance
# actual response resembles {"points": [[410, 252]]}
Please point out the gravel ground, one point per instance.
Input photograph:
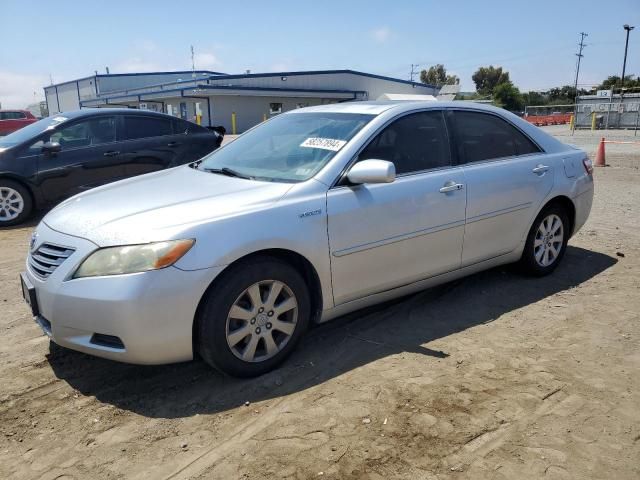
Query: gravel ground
{"points": [[496, 376]]}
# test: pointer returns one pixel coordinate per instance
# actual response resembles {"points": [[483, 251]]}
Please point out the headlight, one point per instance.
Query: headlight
{"points": [[133, 258]]}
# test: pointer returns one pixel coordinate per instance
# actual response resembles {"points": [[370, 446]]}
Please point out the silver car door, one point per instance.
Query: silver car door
{"points": [[507, 178], [387, 235]]}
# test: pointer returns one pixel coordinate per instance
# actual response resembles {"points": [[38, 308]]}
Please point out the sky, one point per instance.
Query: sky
{"points": [[535, 41]]}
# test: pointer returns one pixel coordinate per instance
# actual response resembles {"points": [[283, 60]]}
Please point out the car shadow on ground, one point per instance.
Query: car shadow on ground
{"points": [[328, 350]]}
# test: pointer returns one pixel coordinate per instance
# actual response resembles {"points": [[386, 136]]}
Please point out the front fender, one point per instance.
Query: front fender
{"points": [[298, 225]]}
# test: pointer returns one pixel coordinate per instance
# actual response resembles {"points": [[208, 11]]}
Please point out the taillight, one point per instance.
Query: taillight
{"points": [[588, 165]]}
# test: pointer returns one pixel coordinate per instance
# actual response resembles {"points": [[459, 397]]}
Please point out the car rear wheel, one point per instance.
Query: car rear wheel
{"points": [[546, 242], [15, 203], [253, 317]]}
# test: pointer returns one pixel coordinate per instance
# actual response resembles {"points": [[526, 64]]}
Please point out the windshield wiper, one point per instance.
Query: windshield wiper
{"points": [[228, 172]]}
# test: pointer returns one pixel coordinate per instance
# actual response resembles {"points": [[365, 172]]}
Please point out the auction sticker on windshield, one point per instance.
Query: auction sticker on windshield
{"points": [[325, 143]]}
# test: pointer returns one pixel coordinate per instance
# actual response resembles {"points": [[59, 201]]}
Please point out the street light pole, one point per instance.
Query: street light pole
{"points": [[626, 47], [624, 68]]}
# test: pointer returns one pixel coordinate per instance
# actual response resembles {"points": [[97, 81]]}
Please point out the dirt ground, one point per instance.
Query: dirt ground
{"points": [[496, 376]]}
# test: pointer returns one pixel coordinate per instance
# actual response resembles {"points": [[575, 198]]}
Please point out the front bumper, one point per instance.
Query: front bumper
{"points": [[151, 313]]}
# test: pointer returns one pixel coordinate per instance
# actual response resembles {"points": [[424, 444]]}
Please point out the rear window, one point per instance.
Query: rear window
{"points": [[145, 127]]}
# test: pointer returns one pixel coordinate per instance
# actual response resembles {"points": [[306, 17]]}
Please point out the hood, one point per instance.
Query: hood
{"points": [[159, 206]]}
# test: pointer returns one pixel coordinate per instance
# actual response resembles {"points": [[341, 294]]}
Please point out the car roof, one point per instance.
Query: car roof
{"points": [[88, 112], [378, 107]]}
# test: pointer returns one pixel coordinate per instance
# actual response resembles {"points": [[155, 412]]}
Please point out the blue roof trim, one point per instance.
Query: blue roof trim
{"points": [[244, 87], [327, 72], [140, 96]]}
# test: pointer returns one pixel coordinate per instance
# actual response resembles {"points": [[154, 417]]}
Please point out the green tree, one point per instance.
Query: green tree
{"points": [[507, 96], [614, 81], [533, 98], [488, 78], [564, 94], [437, 75]]}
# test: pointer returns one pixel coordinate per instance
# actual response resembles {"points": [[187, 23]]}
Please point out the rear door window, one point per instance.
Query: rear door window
{"points": [[145, 127], [482, 136]]}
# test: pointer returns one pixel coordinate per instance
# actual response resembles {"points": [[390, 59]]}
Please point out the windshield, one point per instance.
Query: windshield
{"points": [[30, 131], [288, 148]]}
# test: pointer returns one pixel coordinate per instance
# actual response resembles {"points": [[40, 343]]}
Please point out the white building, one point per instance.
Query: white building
{"points": [[215, 99]]}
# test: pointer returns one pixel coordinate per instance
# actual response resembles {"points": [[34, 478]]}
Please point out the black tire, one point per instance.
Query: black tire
{"points": [[27, 203], [212, 341], [528, 262]]}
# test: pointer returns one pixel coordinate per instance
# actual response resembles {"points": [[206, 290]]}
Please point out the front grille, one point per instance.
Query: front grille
{"points": [[47, 258]]}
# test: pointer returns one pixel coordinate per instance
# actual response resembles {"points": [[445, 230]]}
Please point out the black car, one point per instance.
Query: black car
{"points": [[59, 156]]}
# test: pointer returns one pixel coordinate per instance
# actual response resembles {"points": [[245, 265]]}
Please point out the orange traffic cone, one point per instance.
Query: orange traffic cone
{"points": [[600, 154]]}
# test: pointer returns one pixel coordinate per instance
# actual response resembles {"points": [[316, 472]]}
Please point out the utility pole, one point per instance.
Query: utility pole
{"points": [[581, 45], [413, 72]]}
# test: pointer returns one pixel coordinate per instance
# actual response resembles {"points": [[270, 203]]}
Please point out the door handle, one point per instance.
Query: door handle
{"points": [[451, 187], [540, 169], [111, 153], [173, 144]]}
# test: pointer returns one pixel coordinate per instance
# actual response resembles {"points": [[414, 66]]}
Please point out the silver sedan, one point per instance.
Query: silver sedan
{"points": [[313, 214]]}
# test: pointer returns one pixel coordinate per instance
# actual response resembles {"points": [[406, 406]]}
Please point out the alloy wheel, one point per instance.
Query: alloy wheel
{"points": [[11, 204], [261, 321], [547, 244]]}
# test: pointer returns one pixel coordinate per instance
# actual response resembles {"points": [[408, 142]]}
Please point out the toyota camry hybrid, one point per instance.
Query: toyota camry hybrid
{"points": [[310, 215]]}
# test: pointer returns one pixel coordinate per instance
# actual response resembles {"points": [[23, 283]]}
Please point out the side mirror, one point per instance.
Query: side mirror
{"points": [[372, 171], [51, 147]]}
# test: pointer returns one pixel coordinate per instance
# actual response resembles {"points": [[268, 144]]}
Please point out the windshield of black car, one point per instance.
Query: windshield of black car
{"points": [[30, 131], [290, 148]]}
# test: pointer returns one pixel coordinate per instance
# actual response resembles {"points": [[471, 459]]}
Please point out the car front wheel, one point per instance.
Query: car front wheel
{"points": [[253, 317], [546, 242]]}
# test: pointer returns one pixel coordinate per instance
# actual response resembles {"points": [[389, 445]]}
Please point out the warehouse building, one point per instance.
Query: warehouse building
{"points": [[236, 102]]}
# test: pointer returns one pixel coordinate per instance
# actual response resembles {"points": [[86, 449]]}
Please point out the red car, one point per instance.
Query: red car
{"points": [[12, 120]]}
